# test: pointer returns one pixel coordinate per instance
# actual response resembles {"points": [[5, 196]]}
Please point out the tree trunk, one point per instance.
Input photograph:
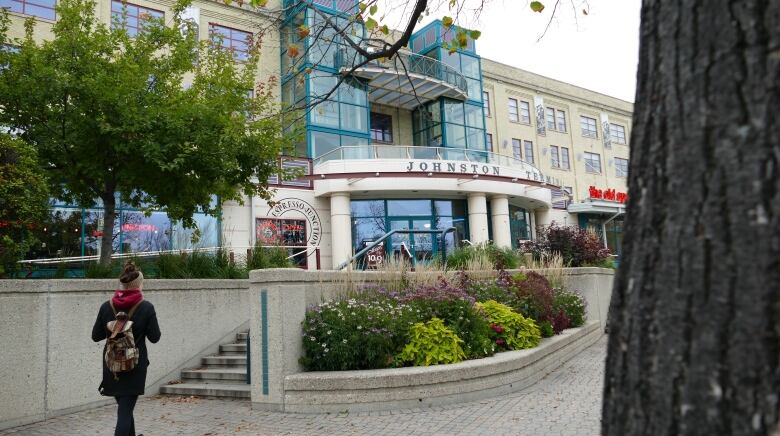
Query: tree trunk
{"points": [[694, 344], [109, 217]]}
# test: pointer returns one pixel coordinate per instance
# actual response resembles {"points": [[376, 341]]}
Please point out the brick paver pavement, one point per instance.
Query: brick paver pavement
{"points": [[566, 402]]}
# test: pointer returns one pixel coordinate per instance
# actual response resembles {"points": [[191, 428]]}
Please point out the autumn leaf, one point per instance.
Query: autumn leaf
{"points": [[372, 10], [293, 50], [537, 6], [370, 24], [462, 39], [362, 6], [475, 34], [446, 22], [384, 29], [303, 31]]}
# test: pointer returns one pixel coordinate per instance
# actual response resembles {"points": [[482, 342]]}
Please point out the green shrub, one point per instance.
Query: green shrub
{"points": [[518, 331], [226, 268], [353, 334], [459, 258], [546, 328], [572, 304], [267, 257], [432, 343], [464, 319], [482, 256], [95, 270]]}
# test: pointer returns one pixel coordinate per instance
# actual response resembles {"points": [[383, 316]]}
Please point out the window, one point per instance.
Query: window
{"points": [[550, 117], [621, 167], [381, 127], [565, 158], [592, 163], [556, 119], [561, 117], [525, 112], [555, 160], [588, 127], [36, 8], [236, 41], [486, 102], [132, 18], [489, 141], [516, 149], [529, 152], [513, 113], [617, 133]]}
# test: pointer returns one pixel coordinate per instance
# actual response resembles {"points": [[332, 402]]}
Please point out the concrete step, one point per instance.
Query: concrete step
{"points": [[230, 375], [225, 360], [208, 390], [233, 349], [241, 337]]}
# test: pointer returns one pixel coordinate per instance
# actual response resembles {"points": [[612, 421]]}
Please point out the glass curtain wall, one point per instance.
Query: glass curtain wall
{"points": [[310, 71], [71, 231], [447, 122], [373, 218]]}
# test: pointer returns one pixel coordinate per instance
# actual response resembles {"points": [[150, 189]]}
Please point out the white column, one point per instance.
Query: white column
{"points": [[478, 221], [340, 228], [499, 213], [532, 224]]}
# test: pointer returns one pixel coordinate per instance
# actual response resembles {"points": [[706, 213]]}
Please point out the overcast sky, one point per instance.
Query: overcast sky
{"points": [[598, 51]]}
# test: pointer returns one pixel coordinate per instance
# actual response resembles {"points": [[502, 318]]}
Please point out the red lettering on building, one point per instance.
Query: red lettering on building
{"points": [[607, 194], [139, 228]]}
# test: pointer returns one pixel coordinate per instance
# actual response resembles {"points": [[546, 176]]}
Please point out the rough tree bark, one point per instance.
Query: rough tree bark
{"points": [[694, 344]]}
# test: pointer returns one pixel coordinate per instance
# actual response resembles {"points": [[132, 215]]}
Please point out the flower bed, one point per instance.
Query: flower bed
{"points": [[446, 322]]}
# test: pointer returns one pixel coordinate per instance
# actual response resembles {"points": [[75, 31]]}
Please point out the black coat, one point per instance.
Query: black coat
{"points": [[144, 326]]}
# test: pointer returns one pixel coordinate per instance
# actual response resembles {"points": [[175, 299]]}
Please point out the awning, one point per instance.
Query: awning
{"points": [[600, 207]]}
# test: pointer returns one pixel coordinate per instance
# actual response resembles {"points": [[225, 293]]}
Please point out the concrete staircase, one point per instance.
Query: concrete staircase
{"points": [[223, 375]]}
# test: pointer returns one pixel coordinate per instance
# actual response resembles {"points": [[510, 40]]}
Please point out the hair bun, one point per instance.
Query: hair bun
{"points": [[130, 273]]}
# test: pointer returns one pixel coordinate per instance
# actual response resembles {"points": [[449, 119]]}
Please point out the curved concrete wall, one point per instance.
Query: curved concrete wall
{"points": [[50, 366], [279, 298], [405, 388]]}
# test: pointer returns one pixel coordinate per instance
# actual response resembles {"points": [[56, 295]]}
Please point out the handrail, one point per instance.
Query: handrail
{"points": [[384, 237], [414, 63], [74, 259], [383, 151]]}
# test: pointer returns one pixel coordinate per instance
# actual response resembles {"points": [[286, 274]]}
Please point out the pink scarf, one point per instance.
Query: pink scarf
{"points": [[126, 298]]}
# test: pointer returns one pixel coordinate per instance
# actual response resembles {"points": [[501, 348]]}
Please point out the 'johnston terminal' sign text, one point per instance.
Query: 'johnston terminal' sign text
{"points": [[476, 168]]}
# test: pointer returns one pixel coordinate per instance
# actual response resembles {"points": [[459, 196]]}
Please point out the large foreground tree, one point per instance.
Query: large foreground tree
{"points": [[145, 113], [24, 200], [694, 343]]}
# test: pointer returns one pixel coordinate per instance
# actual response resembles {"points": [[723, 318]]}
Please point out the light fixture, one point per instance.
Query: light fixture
{"points": [[514, 179], [322, 176], [430, 174], [377, 174], [476, 176]]}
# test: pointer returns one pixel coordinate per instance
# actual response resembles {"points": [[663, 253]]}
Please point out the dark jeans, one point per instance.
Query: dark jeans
{"points": [[125, 425]]}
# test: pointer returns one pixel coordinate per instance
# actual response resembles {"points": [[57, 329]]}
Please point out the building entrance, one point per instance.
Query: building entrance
{"points": [[413, 247]]}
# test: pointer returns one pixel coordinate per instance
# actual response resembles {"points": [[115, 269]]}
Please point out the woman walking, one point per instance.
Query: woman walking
{"points": [[126, 321]]}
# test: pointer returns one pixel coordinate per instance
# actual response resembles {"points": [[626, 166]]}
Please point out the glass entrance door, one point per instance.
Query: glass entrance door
{"points": [[412, 247]]}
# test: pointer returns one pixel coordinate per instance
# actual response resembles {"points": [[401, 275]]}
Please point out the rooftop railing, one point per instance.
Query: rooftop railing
{"points": [[382, 151], [405, 61]]}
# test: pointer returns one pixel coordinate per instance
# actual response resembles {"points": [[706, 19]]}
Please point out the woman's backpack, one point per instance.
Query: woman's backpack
{"points": [[121, 352]]}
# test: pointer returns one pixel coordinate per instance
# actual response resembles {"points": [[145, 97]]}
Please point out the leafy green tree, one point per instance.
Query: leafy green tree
{"points": [[24, 200], [158, 119]]}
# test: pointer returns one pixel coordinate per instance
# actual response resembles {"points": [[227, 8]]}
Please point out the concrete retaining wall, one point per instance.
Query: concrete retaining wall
{"points": [[279, 298], [49, 364]]}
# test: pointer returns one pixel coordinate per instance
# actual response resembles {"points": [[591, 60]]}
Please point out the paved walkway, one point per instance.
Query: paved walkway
{"points": [[566, 402]]}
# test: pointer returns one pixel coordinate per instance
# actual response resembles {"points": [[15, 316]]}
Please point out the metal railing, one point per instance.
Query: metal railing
{"points": [[406, 61], [383, 238], [381, 151]]}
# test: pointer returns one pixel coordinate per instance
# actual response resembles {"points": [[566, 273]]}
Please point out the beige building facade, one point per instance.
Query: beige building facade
{"points": [[456, 150]]}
